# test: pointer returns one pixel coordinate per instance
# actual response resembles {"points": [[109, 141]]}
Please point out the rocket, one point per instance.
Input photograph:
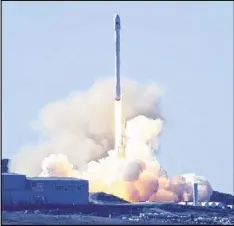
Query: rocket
{"points": [[117, 59], [120, 124]]}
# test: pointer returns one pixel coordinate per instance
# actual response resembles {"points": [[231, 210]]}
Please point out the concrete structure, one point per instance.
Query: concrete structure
{"points": [[53, 190], [13, 181], [18, 189]]}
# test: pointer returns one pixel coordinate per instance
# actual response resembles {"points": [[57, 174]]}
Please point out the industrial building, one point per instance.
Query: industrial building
{"points": [[18, 189], [5, 163]]}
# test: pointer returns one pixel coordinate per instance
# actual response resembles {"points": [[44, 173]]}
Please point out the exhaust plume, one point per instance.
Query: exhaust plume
{"points": [[79, 132]]}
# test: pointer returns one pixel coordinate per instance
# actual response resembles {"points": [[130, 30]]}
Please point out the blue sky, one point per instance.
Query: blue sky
{"points": [[53, 48]]}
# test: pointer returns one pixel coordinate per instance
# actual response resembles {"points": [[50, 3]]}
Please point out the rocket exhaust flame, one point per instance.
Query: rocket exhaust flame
{"points": [[79, 132], [118, 124]]}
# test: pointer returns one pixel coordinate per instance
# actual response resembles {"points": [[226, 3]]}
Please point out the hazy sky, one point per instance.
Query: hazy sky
{"points": [[51, 49]]}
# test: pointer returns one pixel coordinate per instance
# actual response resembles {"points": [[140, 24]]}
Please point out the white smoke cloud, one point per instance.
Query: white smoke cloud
{"points": [[204, 188], [82, 126], [79, 132]]}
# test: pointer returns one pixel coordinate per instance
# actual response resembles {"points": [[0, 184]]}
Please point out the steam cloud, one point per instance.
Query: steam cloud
{"points": [[79, 137]]}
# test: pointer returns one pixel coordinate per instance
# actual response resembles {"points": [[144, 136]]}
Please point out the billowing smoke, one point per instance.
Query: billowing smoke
{"points": [[78, 141]]}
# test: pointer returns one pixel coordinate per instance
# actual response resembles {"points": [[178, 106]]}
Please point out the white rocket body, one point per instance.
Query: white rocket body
{"points": [[117, 59], [120, 123]]}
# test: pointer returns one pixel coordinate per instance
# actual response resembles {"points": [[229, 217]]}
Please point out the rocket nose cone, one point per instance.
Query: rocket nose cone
{"points": [[117, 22], [117, 19]]}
